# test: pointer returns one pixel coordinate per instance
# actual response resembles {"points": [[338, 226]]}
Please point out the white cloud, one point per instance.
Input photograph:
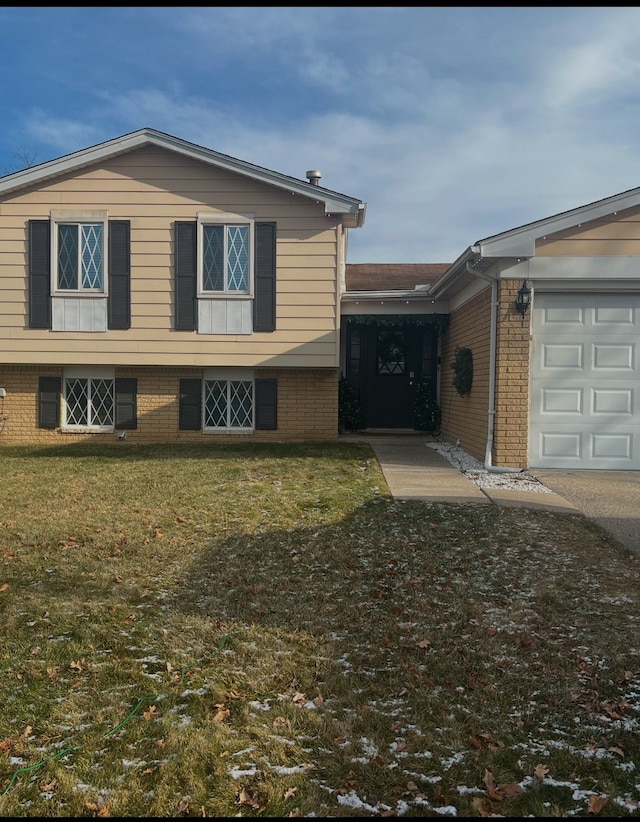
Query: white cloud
{"points": [[452, 124]]}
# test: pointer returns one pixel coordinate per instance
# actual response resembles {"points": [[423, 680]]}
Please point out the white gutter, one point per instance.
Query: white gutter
{"points": [[492, 373], [395, 295]]}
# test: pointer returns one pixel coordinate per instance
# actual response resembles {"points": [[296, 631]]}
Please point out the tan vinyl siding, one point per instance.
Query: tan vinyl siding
{"points": [[466, 418], [618, 235], [153, 188], [307, 407]]}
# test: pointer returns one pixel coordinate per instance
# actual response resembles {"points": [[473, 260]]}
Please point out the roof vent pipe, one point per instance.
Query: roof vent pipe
{"points": [[314, 177]]}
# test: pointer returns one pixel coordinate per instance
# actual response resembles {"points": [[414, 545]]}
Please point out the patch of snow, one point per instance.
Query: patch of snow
{"points": [[483, 478]]}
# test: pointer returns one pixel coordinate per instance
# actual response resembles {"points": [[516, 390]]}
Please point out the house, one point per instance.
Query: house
{"points": [[547, 316], [159, 291], [155, 290]]}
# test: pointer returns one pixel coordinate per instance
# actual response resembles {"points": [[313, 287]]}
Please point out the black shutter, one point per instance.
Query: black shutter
{"points": [[39, 274], [126, 403], [264, 303], [266, 405], [119, 302], [190, 405], [185, 275], [49, 402]]}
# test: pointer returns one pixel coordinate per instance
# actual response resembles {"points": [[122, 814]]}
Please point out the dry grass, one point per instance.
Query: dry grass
{"points": [[263, 631]]}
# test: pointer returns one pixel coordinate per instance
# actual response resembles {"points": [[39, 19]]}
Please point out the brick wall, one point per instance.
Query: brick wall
{"points": [[511, 426], [307, 407], [466, 418]]}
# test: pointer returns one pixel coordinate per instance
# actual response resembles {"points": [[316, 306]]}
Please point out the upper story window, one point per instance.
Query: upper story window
{"points": [[79, 252], [225, 258]]}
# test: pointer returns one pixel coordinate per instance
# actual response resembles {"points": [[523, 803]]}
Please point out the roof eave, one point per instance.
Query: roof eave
{"points": [[335, 204], [418, 293], [521, 242]]}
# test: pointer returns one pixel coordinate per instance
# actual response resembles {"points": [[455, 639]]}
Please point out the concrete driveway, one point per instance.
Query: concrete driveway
{"points": [[610, 498]]}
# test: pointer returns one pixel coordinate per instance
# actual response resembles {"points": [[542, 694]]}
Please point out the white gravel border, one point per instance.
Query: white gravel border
{"points": [[475, 470]]}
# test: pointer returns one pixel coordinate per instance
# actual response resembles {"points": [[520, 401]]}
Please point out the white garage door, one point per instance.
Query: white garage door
{"points": [[585, 381]]}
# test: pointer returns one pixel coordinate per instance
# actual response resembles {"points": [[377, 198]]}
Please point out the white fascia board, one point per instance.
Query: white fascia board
{"points": [[334, 203], [419, 293]]}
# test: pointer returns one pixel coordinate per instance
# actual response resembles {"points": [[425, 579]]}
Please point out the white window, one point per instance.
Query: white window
{"points": [[79, 255], [89, 400], [228, 400], [225, 255]]}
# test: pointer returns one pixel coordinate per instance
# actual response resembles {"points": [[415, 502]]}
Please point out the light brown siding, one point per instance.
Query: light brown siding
{"points": [[466, 418], [153, 188], [618, 235]]}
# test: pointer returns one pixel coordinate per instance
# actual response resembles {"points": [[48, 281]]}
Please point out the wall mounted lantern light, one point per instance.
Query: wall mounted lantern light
{"points": [[523, 300]]}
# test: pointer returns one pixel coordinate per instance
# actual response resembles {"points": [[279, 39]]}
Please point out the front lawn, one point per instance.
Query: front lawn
{"points": [[263, 631]]}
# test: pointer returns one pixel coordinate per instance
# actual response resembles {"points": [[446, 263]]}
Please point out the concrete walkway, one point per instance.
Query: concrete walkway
{"points": [[413, 470]]}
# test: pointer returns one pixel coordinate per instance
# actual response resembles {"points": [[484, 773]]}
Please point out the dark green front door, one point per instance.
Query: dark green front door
{"points": [[384, 366]]}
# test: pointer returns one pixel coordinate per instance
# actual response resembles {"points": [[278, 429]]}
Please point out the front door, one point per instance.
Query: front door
{"points": [[385, 365]]}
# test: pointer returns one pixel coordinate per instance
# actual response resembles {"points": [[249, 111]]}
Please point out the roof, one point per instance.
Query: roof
{"points": [[334, 202], [391, 276]]}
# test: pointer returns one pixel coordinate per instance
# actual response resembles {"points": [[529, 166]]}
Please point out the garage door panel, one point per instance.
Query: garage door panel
{"points": [[563, 312], [585, 409], [616, 401], [613, 356], [612, 447], [609, 451], [562, 355], [561, 401], [610, 315]]}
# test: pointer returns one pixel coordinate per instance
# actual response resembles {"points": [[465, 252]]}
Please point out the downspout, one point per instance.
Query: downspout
{"points": [[492, 373]]}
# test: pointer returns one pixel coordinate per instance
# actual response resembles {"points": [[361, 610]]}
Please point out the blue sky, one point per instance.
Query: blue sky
{"points": [[451, 123]]}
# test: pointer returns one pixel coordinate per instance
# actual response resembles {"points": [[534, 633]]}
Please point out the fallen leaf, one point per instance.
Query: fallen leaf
{"points": [[540, 771], [490, 785], [596, 803], [221, 714], [290, 793], [424, 643], [616, 750], [245, 797], [150, 713], [7, 744], [27, 731], [47, 787], [4, 586]]}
